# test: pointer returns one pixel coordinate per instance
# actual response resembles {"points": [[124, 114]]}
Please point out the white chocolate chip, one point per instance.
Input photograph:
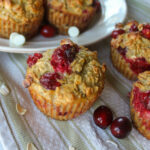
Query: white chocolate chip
{"points": [[20, 110], [71, 148], [73, 31], [16, 40], [30, 146], [113, 143], [4, 89]]}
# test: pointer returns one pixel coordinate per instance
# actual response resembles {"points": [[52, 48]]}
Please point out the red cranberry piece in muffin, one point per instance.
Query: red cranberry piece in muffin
{"points": [[133, 28], [49, 80], [63, 57], [122, 51], [146, 31], [33, 59], [117, 32], [138, 65]]}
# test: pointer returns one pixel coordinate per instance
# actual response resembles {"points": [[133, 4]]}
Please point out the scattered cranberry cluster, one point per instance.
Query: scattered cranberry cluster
{"points": [[145, 31], [141, 101], [137, 65], [61, 60], [120, 127]]}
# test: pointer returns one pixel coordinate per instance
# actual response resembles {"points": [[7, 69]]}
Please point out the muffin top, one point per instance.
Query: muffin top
{"points": [[74, 6], [69, 73], [133, 38], [21, 12]]}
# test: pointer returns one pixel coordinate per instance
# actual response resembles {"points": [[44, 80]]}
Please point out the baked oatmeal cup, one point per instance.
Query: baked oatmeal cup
{"points": [[23, 17], [64, 14], [66, 81], [130, 46]]}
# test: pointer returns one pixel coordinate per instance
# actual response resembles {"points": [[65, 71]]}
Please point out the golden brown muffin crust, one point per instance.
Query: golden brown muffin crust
{"points": [[143, 82], [136, 44], [74, 6], [84, 83], [21, 11]]}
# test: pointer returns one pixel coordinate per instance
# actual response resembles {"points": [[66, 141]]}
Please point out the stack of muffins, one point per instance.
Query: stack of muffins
{"points": [[25, 17]]}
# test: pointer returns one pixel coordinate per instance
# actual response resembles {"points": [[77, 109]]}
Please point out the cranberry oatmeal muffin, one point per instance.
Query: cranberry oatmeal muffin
{"points": [[66, 81], [66, 13], [130, 46], [23, 17], [140, 104]]}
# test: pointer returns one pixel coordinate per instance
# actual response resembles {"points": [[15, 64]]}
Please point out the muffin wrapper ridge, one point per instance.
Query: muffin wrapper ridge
{"points": [[62, 112], [63, 20], [138, 121], [28, 30], [121, 65]]}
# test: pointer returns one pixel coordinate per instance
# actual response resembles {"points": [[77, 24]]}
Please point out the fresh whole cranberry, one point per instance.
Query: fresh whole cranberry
{"points": [[121, 127], [63, 57], [47, 31], [49, 80], [133, 28], [146, 31], [33, 59], [115, 33], [103, 117]]}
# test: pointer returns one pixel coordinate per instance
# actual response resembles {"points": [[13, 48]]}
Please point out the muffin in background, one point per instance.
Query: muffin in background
{"points": [[23, 17], [63, 14], [66, 81], [130, 46], [140, 104]]}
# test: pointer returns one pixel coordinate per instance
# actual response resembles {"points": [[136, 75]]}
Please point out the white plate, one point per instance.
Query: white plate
{"points": [[113, 11]]}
